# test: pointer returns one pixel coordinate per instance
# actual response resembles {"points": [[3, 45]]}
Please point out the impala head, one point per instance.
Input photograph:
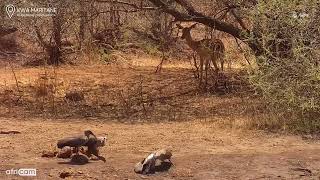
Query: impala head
{"points": [[186, 30]]}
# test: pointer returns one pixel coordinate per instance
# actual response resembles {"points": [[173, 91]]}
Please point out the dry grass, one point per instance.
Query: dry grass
{"points": [[125, 93], [209, 133]]}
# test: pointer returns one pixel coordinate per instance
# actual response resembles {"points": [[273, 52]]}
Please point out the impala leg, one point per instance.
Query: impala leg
{"points": [[201, 70], [206, 69], [222, 63], [214, 62]]}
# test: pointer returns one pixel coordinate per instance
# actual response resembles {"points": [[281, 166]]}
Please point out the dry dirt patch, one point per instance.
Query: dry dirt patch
{"points": [[114, 92], [199, 150]]}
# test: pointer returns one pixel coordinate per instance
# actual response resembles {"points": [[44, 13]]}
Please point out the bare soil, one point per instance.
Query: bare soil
{"points": [[206, 131], [199, 151]]}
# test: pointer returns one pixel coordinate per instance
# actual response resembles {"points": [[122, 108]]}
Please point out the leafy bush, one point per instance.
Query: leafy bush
{"points": [[151, 49], [288, 73]]}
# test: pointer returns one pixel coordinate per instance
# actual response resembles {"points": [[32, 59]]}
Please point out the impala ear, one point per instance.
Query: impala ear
{"points": [[194, 25], [179, 26]]}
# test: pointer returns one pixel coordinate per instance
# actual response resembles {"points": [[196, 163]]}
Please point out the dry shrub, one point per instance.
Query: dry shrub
{"points": [[44, 86], [9, 44], [74, 96], [132, 100], [47, 88]]}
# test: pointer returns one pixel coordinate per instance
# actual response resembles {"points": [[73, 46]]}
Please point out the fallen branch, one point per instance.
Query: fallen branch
{"points": [[10, 132]]}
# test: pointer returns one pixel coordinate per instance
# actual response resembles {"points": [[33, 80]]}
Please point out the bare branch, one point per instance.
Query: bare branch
{"points": [[219, 25], [40, 38], [127, 4], [198, 17], [188, 6], [235, 15], [5, 31]]}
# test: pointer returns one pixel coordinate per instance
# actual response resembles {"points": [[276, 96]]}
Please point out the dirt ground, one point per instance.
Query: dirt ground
{"points": [[199, 151], [205, 131]]}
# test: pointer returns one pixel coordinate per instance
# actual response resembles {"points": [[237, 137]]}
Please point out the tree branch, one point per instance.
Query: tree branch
{"points": [[236, 16], [127, 4], [5, 31], [40, 38], [193, 15], [198, 17]]}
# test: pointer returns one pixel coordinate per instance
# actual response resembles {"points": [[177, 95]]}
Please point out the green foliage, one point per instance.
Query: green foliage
{"points": [[151, 49], [288, 74], [105, 55]]}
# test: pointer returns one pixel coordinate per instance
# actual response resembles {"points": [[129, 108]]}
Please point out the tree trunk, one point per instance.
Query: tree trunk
{"points": [[82, 27], [55, 49], [5, 30]]}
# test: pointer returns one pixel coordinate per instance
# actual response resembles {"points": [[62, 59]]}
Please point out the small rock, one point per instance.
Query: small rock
{"points": [[49, 154], [65, 174], [79, 159], [74, 96], [65, 152]]}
